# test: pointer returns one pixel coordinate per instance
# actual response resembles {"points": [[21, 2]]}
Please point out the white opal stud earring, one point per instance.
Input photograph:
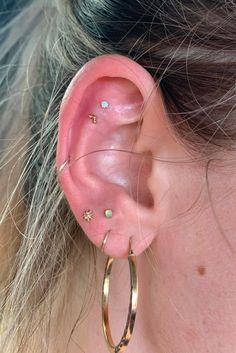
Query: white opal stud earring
{"points": [[108, 213], [104, 104]]}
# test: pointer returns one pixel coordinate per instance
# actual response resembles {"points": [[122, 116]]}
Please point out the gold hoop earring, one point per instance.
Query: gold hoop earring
{"points": [[122, 345], [105, 240]]}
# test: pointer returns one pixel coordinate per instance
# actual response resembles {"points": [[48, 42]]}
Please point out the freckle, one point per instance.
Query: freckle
{"points": [[201, 270]]}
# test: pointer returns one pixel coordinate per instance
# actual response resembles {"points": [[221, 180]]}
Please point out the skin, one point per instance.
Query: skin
{"points": [[182, 228], [187, 286]]}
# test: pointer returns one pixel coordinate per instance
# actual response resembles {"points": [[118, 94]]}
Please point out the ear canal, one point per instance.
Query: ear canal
{"points": [[102, 139]]}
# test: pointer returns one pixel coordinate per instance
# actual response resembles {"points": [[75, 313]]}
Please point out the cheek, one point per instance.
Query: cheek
{"points": [[190, 246], [196, 290]]}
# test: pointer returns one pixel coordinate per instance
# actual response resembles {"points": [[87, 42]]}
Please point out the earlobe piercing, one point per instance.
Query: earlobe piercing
{"points": [[88, 215], [130, 253], [93, 118], [108, 213], [126, 337], [105, 240], [104, 104]]}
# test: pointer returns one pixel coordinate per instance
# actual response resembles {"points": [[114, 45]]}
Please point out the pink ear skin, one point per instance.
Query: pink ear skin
{"points": [[102, 173]]}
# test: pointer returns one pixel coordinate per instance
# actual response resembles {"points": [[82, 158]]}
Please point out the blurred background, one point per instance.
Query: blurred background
{"points": [[8, 8]]}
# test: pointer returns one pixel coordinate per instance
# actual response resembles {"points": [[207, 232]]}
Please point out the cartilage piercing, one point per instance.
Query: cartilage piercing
{"points": [[104, 104], [63, 165], [93, 118]]}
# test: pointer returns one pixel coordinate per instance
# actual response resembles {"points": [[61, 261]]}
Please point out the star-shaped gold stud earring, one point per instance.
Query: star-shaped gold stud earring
{"points": [[88, 215]]}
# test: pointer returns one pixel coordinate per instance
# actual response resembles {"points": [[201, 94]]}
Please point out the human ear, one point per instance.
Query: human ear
{"points": [[109, 123]]}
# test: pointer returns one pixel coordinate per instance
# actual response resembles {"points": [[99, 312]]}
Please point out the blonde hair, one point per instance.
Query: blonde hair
{"points": [[192, 57]]}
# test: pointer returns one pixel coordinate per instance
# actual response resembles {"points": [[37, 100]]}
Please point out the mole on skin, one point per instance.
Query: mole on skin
{"points": [[201, 270]]}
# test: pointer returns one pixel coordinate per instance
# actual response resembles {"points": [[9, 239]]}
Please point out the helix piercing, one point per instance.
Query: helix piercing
{"points": [[62, 166], [88, 215], [93, 118], [104, 104]]}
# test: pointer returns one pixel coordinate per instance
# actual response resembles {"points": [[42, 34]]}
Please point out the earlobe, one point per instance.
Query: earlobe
{"points": [[106, 179]]}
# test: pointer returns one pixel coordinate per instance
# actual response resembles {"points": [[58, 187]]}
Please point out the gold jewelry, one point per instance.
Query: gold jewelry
{"points": [[105, 240], [122, 345], [88, 215], [93, 118], [62, 166]]}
